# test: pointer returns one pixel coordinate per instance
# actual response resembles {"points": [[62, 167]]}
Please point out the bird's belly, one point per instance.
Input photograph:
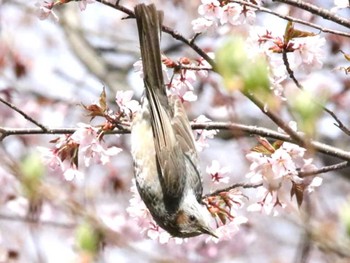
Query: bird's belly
{"points": [[143, 152]]}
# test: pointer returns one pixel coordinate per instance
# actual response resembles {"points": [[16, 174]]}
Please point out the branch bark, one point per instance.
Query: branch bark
{"points": [[237, 128]]}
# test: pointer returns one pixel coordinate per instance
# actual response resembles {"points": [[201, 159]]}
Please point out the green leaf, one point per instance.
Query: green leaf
{"points": [[32, 170], [307, 110], [241, 72], [87, 238], [344, 215], [291, 33]]}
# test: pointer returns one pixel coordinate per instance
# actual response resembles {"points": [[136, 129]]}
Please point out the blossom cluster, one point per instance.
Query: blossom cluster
{"points": [[181, 81], [87, 143], [214, 12], [277, 167], [45, 8], [304, 52]]}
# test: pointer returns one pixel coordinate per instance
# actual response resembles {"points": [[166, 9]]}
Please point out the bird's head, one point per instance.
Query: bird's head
{"points": [[192, 219]]}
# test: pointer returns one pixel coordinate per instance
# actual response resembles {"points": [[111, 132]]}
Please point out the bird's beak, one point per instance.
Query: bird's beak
{"points": [[209, 231]]}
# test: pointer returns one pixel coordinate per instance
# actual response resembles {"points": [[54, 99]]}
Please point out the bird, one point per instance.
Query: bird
{"points": [[165, 159]]}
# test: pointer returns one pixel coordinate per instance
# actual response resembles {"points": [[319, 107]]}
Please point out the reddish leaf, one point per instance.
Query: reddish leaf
{"points": [[277, 144], [291, 33], [102, 101], [265, 146], [298, 191]]}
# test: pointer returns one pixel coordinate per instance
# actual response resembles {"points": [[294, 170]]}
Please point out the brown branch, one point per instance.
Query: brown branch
{"points": [[37, 222], [292, 19], [338, 123], [325, 169], [189, 67], [276, 119], [289, 70], [25, 115], [317, 11], [237, 128], [227, 189]]}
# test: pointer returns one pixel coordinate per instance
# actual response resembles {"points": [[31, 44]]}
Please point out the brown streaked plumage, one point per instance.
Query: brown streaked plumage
{"points": [[165, 158]]}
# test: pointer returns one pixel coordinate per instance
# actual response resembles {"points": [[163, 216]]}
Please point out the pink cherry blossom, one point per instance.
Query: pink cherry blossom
{"points": [[45, 9], [125, 102], [210, 9], [201, 24], [309, 52], [138, 69], [91, 147], [202, 136], [231, 13], [218, 174], [84, 3]]}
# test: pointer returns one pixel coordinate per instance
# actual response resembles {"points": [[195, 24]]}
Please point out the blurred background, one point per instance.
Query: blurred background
{"points": [[48, 68]]}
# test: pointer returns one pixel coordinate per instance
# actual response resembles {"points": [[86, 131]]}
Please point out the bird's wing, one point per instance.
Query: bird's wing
{"points": [[169, 154], [184, 137]]}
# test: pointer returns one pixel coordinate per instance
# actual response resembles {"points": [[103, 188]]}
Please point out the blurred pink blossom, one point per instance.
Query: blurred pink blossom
{"points": [[201, 136], [45, 9], [218, 173]]}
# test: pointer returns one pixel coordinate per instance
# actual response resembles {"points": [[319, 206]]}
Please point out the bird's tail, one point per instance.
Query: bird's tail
{"points": [[149, 23]]}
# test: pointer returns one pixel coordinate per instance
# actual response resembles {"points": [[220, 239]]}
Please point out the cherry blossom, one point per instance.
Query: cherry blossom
{"points": [[214, 12], [231, 13], [91, 147], [45, 9], [201, 24], [210, 9], [126, 104], [226, 232], [278, 171], [217, 173], [309, 52], [201, 136], [138, 69], [181, 85], [84, 3]]}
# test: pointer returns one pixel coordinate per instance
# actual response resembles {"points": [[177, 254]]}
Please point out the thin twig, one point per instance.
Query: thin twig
{"points": [[26, 116], [276, 119], [292, 19], [176, 35], [325, 169], [289, 70], [338, 123], [189, 67], [317, 11], [227, 189], [36, 222]]}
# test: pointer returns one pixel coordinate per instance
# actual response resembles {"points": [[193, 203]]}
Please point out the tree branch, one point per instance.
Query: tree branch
{"points": [[338, 123], [276, 119], [239, 129], [325, 169], [317, 11], [227, 189], [176, 35], [37, 222], [42, 127], [292, 19]]}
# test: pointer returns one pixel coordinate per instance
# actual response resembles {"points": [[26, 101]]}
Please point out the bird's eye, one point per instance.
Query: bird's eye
{"points": [[192, 218]]}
